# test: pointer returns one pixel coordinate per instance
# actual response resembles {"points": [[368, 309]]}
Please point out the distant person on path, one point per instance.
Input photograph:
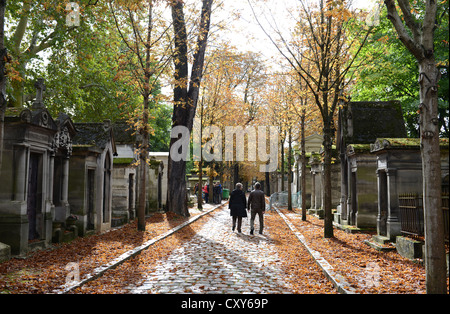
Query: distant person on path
{"points": [[257, 205], [220, 190], [196, 189], [216, 193], [206, 192], [237, 205]]}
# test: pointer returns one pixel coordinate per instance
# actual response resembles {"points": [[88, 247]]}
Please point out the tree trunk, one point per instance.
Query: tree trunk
{"points": [[303, 159], [185, 100], [143, 153], [267, 187], [142, 189], [200, 164], [282, 164], [200, 184], [290, 171], [2, 78], [328, 221], [17, 93], [176, 193], [143, 156], [235, 175], [435, 260], [421, 46]]}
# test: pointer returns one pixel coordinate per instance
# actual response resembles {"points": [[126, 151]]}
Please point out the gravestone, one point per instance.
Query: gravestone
{"points": [[155, 185], [62, 145], [409, 248], [5, 252], [316, 186], [313, 143]]}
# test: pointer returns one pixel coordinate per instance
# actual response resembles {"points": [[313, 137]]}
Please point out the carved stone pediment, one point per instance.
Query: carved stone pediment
{"points": [[63, 138], [43, 119], [26, 116], [63, 141], [379, 144], [350, 150], [39, 117]]}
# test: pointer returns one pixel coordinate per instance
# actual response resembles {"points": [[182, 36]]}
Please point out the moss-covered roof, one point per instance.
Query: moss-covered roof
{"points": [[40, 117], [83, 145], [402, 143], [360, 147], [14, 111], [123, 161], [92, 134]]}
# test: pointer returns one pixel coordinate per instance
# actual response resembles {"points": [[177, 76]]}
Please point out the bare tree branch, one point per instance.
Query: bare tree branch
{"points": [[406, 39], [409, 19]]}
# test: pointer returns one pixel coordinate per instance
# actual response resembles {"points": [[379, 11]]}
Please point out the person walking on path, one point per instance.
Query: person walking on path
{"points": [[237, 206], [257, 205]]}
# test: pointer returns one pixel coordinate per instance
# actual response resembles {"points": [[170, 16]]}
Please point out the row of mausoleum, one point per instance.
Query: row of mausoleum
{"points": [[60, 180], [376, 173]]}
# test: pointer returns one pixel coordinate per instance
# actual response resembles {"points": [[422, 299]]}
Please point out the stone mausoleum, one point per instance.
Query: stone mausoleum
{"points": [[360, 124], [399, 179], [34, 175], [90, 182]]}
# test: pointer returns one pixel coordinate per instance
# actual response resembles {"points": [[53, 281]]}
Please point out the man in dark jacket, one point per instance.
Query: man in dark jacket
{"points": [[257, 205], [237, 206]]}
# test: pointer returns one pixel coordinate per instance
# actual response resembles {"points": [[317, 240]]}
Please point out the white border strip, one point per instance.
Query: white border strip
{"points": [[337, 279]]}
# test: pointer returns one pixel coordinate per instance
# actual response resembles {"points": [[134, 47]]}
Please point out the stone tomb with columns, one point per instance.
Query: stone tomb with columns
{"points": [[90, 180], [359, 125], [399, 173], [317, 184], [35, 162], [158, 180], [63, 229], [313, 143]]}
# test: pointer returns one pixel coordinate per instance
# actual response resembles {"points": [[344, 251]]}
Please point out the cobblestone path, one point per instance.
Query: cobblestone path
{"points": [[218, 260]]}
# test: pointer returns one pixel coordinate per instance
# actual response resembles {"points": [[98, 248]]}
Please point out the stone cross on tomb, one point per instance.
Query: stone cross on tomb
{"points": [[40, 88]]}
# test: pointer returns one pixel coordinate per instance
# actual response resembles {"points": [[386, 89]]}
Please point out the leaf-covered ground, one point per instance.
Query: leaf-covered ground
{"points": [[45, 271], [366, 269], [300, 269]]}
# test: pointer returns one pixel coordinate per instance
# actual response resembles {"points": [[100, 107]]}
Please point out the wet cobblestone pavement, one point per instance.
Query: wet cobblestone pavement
{"points": [[218, 260]]}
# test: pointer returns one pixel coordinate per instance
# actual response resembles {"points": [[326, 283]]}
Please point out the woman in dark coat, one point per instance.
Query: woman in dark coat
{"points": [[237, 206]]}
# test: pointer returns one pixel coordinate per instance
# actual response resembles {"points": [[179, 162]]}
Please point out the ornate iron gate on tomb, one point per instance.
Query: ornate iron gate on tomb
{"points": [[411, 213]]}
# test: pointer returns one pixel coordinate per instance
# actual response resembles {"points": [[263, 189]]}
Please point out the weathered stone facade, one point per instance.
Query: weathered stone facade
{"points": [[90, 183], [34, 175], [125, 175], [158, 178], [399, 172], [313, 144]]}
